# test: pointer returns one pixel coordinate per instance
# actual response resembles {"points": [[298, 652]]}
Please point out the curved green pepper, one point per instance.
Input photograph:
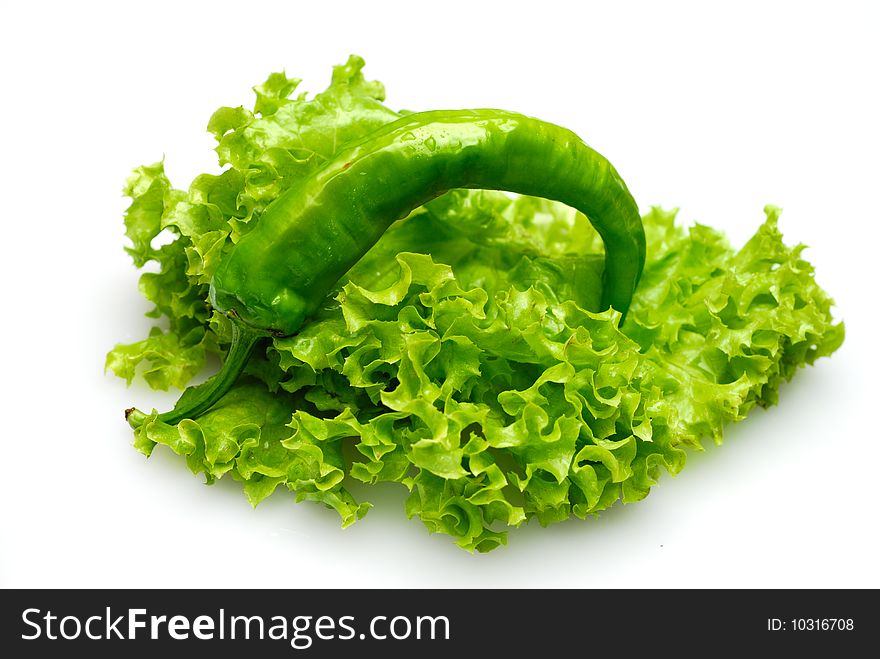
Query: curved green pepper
{"points": [[308, 238]]}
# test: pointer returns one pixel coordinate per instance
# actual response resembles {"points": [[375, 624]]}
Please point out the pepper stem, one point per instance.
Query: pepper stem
{"points": [[199, 399]]}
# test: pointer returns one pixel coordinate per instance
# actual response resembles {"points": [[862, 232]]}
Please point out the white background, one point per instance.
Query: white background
{"points": [[714, 111]]}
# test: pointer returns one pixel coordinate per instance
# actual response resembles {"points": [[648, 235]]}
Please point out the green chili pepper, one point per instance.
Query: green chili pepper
{"points": [[307, 239]]}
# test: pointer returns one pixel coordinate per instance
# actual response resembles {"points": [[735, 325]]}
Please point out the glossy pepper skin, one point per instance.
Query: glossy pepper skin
{"points": [[307, 239], [280, 273]]}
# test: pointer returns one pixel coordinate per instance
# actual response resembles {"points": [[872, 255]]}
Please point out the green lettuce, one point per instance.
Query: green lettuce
{"points": [[464, 357]]}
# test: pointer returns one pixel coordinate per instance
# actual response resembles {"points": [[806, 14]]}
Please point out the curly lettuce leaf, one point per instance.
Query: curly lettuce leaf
{"points": [[465, 355], [281, 140]]}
